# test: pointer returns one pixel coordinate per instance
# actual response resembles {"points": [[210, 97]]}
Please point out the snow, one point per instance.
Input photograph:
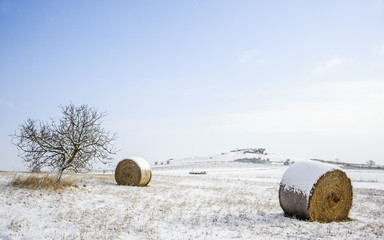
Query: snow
{"points": [[141, 162], [232, 201], [231, 156], [301, 176]]}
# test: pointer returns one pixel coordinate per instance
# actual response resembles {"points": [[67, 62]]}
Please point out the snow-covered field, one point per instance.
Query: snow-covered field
{"points": [[232, 201]]}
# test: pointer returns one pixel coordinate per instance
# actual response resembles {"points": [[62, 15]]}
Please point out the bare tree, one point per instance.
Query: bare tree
{"points": [[371, 163], [35, 168], [73, 143]]}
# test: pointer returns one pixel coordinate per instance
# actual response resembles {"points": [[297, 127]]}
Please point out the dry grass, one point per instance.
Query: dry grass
{"points": [[39, 181]]}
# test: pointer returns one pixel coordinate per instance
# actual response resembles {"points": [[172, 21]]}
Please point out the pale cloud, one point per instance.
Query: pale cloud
{"points": [[336, 108], [378, 59], [306, 118], [381, 50], [328, 65], [6, 104], [252, 56]]}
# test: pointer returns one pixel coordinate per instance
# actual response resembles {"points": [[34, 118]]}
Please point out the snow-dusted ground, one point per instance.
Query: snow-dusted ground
{"points": [[232, 201]]}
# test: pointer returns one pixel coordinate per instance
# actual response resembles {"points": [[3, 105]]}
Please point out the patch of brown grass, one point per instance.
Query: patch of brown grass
{"points": [[46, 182]]}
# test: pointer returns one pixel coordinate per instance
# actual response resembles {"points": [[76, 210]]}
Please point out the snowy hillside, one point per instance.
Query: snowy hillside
{"points": [[247, 155], [269, 167]]}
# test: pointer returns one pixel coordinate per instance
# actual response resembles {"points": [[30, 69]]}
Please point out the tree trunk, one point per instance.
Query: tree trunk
{"points": [[58, 176]]}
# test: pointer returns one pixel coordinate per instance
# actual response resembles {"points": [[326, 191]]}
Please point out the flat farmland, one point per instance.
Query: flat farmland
{"points": [[233, 202]]}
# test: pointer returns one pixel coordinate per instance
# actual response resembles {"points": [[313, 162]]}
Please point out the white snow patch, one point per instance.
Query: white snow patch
{"points": [[301, 176], [141, 162]]}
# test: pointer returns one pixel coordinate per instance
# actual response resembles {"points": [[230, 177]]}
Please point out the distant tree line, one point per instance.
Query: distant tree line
{"points": [[251, 150]]}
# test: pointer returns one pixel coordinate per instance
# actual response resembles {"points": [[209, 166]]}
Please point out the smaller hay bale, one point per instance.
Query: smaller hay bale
{"points": [[134, 171], [316, 191]]}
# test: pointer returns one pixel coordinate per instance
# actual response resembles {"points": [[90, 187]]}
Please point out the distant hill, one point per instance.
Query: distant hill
{"points": [[351, 165], [245, 155], [250, 156]]}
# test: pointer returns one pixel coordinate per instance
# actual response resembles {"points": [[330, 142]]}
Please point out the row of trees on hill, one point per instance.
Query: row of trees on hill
{"points": [[251, 150]]}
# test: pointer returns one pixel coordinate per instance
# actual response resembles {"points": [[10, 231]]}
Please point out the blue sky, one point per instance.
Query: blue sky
{"points": [[186, 78]]}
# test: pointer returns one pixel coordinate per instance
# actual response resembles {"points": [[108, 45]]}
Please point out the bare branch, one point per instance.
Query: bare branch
{"points": [[73, 142]]}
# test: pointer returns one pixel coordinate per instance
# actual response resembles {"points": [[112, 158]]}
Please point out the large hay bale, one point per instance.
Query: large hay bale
{"points": [[316, 191], [134, 171]]}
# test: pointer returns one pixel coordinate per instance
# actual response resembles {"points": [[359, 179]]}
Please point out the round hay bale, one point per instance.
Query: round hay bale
{"points": [[316, 191], [134, 171]]}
